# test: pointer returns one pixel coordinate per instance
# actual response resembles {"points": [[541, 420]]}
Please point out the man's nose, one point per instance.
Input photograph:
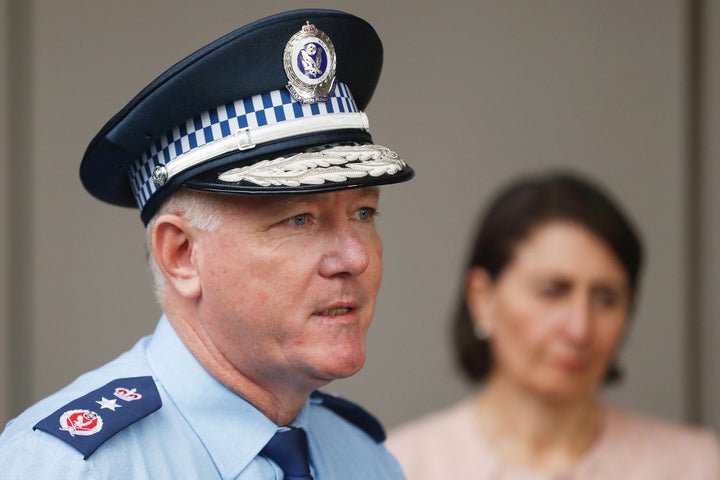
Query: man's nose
{"points": [[347, 253]]}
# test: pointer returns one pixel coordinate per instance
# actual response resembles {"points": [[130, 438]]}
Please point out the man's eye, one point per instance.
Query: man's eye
{"points": [[365, 213], [298, 220]]}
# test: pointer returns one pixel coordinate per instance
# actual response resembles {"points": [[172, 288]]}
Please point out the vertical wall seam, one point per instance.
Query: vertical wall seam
{"points": [[694, 212], [20, 214]]}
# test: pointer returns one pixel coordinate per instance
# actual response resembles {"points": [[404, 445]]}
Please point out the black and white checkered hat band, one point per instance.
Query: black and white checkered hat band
{"points": [[242, 116]]}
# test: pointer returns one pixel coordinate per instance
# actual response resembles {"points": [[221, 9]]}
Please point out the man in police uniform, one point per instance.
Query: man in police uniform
{"points": [[255, 173]]}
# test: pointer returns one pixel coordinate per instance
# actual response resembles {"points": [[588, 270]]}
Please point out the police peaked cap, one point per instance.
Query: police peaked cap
{"points": [[274, 107]]}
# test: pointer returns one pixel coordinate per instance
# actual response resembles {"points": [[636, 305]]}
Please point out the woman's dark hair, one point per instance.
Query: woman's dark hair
{"points": [[514, 213]]}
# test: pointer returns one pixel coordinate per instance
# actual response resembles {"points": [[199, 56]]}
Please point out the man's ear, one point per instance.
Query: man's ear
{"points": [[478, 293], [174, 244]]}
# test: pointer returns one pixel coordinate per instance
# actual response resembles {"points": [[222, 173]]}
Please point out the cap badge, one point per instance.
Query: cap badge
{"points": [[309, 61], [81, 422]]}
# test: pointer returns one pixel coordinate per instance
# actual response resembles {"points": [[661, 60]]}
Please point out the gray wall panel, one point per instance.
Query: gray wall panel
{"points": [[4, 227], [18, 190], [710, 219]]}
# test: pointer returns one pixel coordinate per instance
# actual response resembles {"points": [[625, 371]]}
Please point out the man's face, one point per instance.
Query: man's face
{"points": [[289, 285]]}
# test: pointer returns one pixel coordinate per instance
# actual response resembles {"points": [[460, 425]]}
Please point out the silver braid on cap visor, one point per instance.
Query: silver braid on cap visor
{"points": [[335, 164], [246, 123]]}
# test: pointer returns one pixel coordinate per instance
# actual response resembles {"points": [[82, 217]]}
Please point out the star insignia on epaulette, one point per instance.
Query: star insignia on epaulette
{"points": [[110, 404]]}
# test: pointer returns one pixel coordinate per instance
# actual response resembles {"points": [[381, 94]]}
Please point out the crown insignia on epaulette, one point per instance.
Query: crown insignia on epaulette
{"points": [[127, 394]]}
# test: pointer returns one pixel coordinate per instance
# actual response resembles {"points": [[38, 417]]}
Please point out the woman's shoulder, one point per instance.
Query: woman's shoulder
{"points": [[660, 444], [442, 444], [633, 426], [440, 424]]}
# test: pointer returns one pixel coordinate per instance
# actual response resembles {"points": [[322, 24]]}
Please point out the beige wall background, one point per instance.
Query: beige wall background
{"points": [[472, 93]]}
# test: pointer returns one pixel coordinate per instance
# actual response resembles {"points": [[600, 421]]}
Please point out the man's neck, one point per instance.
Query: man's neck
{"points": [[281, 405]]}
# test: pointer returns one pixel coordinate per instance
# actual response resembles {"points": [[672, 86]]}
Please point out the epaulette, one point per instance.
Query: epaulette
{"points": [[351, 412], [78, 423]]}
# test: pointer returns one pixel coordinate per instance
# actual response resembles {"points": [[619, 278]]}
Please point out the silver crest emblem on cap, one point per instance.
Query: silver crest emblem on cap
{"points": [[160, 175], [309, 62]]}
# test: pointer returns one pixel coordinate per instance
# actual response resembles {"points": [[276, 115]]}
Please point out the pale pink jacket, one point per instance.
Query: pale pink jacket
{"points": [[447, 446]]}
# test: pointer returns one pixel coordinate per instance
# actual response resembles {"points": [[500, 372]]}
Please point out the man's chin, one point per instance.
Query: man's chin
{"points": [[339, 367]]}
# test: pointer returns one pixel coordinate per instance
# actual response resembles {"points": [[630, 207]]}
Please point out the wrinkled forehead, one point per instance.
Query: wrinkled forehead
{"points": [[249, 204]]}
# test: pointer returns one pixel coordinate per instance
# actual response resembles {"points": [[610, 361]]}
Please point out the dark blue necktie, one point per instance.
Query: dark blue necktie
{"points": [[289, 449]]}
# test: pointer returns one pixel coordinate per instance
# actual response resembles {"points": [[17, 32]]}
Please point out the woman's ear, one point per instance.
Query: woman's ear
{"points": [[174, 244], [478, 291]]}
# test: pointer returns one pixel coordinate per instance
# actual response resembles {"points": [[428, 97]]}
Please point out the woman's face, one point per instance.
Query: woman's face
{"points": [[555, 314]]}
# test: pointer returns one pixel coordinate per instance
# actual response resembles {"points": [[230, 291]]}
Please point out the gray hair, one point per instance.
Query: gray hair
{"points": [[202, 212]]}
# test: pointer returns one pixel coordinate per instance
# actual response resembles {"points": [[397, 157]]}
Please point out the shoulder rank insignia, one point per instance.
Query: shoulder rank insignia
{"points": [[89, 421], [351, 412]]}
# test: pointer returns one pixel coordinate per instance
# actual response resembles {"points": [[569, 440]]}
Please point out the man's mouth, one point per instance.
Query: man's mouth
{"points": [[333, 312]]}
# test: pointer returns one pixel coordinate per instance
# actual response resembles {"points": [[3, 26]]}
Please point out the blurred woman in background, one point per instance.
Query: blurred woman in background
{"points": [[549, 289]]}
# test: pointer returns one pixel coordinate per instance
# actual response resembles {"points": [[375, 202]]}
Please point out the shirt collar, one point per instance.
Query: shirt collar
{"points": [[231, 429]]}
